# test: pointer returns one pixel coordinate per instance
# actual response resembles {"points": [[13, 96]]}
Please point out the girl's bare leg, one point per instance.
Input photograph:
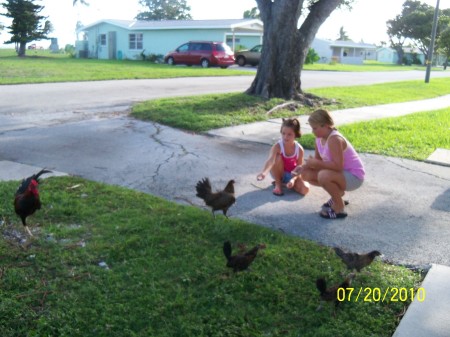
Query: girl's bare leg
{"points": [[277, 172], [334, 183], [301, 186], [310, 176]]}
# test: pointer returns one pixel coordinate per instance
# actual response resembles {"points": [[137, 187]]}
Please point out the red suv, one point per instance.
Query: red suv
{"points": [[204, 53]]}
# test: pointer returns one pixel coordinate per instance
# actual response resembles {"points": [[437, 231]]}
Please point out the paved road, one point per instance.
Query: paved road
{"points": [[402, 210], [28, 105]]}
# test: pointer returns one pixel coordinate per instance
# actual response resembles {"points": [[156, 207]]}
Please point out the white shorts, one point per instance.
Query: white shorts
{"points": [[352, 182]]}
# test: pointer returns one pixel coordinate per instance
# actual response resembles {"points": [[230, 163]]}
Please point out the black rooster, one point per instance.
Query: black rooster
{"points": [[240, 262], [26, 200], [220, 200]]}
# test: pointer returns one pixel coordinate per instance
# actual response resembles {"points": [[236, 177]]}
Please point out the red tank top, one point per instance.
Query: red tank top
{"points": [[290, 162]]}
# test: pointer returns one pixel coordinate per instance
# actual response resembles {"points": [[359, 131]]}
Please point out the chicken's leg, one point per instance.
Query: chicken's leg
{"points": [[28, 231]]}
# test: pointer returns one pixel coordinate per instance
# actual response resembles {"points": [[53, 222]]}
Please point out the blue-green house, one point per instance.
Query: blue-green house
{"points": [[124, 39]]}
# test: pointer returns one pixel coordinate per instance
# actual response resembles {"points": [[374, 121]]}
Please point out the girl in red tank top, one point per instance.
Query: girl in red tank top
{"points": [[284, 156]]}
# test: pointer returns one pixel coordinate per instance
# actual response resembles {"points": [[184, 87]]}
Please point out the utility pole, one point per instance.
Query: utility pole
{"points": [[433, 37]]}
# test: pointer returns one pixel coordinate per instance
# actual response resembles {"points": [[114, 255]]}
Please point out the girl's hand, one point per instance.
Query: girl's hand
{"points": [[290, 184], [311, 163], [260, 176], [297, 171]]}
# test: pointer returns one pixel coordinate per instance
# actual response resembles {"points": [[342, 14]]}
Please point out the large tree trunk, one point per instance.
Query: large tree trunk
{"points": [[285, 46], [400, 53]]}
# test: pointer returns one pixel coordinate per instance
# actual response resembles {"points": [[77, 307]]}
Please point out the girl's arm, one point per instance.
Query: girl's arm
{"points": [[336, 145], [270, 161]]}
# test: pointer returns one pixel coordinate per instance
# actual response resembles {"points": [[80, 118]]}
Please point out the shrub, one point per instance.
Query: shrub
{"points": [[312, 56]]}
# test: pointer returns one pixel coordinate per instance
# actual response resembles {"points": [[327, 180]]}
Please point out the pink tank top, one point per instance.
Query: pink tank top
{"points": [[352, 162], [290, 162]]}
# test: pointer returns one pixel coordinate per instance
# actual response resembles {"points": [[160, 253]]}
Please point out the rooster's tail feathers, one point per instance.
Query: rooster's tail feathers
{"points": [[41, 172], [26, 181], [203, 188], [227, 249]]}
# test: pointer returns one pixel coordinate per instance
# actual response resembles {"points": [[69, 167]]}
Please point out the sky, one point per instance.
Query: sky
{"points": [[365, 22]]}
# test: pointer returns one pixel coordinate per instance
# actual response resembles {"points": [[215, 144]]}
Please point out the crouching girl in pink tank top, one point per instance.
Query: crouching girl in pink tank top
{"points": [[336, 166]]}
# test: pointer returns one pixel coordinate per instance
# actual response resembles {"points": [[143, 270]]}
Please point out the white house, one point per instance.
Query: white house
{"points": [[122, 39], [349, 52]]}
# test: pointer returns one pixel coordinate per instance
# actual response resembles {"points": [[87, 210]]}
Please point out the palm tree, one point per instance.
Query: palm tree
{"points": [[343, 35]]}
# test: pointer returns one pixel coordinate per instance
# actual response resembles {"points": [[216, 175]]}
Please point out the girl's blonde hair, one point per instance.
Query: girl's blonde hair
{"points": [[321, 117], [292, 123]]}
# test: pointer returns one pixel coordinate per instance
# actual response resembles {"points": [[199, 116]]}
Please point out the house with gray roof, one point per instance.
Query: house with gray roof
{"points": [[125, 39], [349, 52]]}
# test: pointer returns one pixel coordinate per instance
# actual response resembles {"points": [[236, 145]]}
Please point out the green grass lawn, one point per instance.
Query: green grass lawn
{"points": [[40, 66], [367, 66], [166, 273]]}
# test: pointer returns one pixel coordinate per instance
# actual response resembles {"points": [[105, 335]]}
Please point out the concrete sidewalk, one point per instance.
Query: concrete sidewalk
{"points": [[15, 171], [428, 315]]}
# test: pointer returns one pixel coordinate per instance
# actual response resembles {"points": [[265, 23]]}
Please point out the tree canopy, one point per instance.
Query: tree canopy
{"points": [[414, 24], [165, 10], [27, 25], [443, 42], [343, 35], [252, 13]]}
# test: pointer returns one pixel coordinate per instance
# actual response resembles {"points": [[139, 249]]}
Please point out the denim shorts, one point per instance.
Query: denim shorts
{"points": [[352, 182], [286, 177]]}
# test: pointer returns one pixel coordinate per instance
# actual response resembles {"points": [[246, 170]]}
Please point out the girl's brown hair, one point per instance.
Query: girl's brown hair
{"points": [[292, 123], [321, 117]]}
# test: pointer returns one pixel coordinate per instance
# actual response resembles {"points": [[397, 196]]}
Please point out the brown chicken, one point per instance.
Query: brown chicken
{"points": [[26, 200], [240, 262], [220, 200], [331, 294], [355, 260]]}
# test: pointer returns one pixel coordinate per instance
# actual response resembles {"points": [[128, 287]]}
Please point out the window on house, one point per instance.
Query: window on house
{"points": [[136, 41], [236, 40], [103, 39]]}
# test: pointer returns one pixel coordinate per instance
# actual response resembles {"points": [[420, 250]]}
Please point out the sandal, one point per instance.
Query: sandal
{"points": [[330, 203], [331, 214], [277, 191]]}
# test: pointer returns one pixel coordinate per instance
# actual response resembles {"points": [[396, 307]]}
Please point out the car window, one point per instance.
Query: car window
{"points": [[183, 48], [206, 46], [224, 47], [256, 49], [194, 46]]}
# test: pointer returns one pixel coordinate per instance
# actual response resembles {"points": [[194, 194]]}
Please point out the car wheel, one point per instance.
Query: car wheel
{"points": [[171, 61], [241, 61], [204, 63]]}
